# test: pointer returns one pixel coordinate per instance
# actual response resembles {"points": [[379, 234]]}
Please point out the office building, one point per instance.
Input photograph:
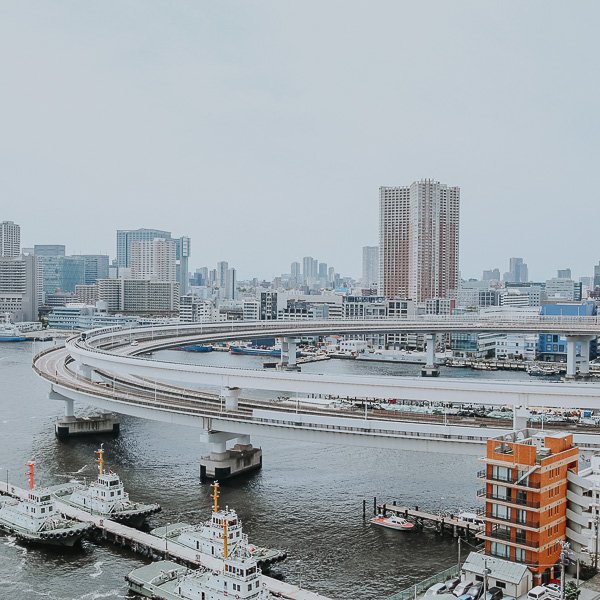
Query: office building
{"points": [[126, 237], [525, 494], [193, 309], [230, 285], [370, 266], [418, 240], [95, 266], [563, 289], [491, 275], [309, 270], [517, 271], [564, 273], [62, 273], [10, 239], [295, 275], [20, 287], [154, 260], [87, 294], [221, 276], [184, 250], [49, 250]]}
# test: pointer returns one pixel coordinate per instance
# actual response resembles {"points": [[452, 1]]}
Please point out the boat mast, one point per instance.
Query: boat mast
{"points": [[100, 459], [215, 496], [30, 465], [225, 537]]}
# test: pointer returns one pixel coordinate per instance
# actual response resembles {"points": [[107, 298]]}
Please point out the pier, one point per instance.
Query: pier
{"points": [[442, 522], [158, 548]]}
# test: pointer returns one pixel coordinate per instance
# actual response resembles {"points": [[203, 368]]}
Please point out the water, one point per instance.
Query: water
{"points": [[307, 498]]}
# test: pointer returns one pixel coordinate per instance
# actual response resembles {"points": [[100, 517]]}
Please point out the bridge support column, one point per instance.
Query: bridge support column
{"points": [[430, 369], [521, 415], [288, 355], [232, 395], [223, 463], [584, 363]]}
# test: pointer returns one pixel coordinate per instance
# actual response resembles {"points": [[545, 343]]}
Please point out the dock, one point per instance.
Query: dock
{"points": [[158, 548], [442, 522]]}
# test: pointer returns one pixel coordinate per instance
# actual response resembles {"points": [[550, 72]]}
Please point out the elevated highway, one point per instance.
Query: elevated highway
{"points": [[167, 391]]}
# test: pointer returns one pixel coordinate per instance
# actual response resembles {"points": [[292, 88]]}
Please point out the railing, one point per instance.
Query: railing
{"points": [[513, 480], [526, 523], [412, 592], [482, 493], [513, 539]]}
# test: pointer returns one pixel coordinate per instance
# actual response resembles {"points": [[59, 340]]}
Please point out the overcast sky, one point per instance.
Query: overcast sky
{"points": [[263, 129]]}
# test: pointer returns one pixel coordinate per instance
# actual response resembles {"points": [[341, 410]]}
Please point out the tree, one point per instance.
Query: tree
{"points": [[571, 591]]}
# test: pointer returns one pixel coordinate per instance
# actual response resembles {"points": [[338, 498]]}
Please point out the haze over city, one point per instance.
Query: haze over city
{"points": [[264, 130]]}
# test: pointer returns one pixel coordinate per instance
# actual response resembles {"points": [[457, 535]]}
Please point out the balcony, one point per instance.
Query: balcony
{"points": [[527, 523], [482, 493], [536, 485], [511, 538]]}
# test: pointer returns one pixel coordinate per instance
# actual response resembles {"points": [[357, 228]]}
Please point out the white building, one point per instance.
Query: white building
{"points": [[193, 309], [517, 346], [230, 285], [514, 579], [583, 514], [20, 287], [10, 239], [563, 289], [154, 260], [139, 296], [370, 266], [251, 310]]}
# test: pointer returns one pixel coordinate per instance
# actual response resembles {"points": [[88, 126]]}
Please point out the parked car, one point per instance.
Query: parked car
{"points": [[475, 590], [134, 343], [494, 593], [509, 598], [452, 583], [438, 588], [553, 589], [466, 597], [461, 588], [539, 592]]}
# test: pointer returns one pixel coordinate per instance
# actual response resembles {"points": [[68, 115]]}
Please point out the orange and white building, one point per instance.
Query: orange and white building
{"points": [[525, 497]]}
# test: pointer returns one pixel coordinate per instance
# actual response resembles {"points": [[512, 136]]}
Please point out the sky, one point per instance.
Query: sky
{"points": [[263, 129]]}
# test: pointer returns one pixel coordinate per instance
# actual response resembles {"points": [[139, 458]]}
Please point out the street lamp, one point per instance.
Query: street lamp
{"points": [[166, 539], [486, 572]]}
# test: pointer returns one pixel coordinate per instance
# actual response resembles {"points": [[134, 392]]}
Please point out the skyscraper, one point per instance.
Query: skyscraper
{"points": [[10, 239], [418, 240], [49, 250], [517, 271], [222, 267], [295, 274], [309, 270], [184, 247], [230, 284], [125, 237], [370, 266], [154, 260]]}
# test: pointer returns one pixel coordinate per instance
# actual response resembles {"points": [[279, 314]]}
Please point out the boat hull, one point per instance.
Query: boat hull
{"points": [[64, 539], [385, 523]]}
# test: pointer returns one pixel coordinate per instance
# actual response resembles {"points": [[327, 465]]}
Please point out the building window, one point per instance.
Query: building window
{"points": [[501, 473], [501, 550], [519, 555]]}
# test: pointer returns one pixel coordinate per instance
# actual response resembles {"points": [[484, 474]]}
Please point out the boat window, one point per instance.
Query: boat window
{"points": [[43, 509], [45, 499]]}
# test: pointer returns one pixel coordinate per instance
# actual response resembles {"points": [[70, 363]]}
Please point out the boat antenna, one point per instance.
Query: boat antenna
{"points": [[30, 464], [215, 496], [100, 459], [224, 538]]}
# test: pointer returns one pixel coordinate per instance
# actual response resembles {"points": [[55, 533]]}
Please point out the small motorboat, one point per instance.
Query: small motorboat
{"points": [[393, 522]]}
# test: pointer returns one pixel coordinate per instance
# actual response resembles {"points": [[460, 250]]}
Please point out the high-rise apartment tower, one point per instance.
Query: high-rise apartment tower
{"points": [[418, 240], [10, 239]]}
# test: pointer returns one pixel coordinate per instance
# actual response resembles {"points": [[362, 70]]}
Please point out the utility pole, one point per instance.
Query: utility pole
{"points": [[563, 560], [486, 572], [459, 538], [597, 521]]}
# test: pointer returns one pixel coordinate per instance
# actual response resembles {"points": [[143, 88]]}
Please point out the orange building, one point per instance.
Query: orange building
{"points": [[525, 497]]}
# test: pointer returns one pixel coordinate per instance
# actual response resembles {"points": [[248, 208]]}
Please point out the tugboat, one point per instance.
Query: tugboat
{"points": [[208, 536], [10, 332], [105, 497], [237, 576], [36, 519]]}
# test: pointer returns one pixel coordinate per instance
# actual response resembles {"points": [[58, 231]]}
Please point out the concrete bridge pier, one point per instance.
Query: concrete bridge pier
{"points": [[430, 369], [232, 395], [584, 363], [288, 355], [224, 463], [70, 425]]}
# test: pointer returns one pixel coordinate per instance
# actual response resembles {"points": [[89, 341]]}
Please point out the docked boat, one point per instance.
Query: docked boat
{"points": [[37, 520], [399, 356], [105, 497], [484, 367], [10, 332], [393, 522], [237, 576], [208, 536], [536, 371], [256, 351], [195, 348]]}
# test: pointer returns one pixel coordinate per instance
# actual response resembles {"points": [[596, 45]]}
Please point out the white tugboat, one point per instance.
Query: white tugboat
{"points": [[208, 536], [37, 520], [105, 497], [237, 576]]}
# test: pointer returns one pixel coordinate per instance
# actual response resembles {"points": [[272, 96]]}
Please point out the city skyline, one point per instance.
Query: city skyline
{"points": [[170, 125]]}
